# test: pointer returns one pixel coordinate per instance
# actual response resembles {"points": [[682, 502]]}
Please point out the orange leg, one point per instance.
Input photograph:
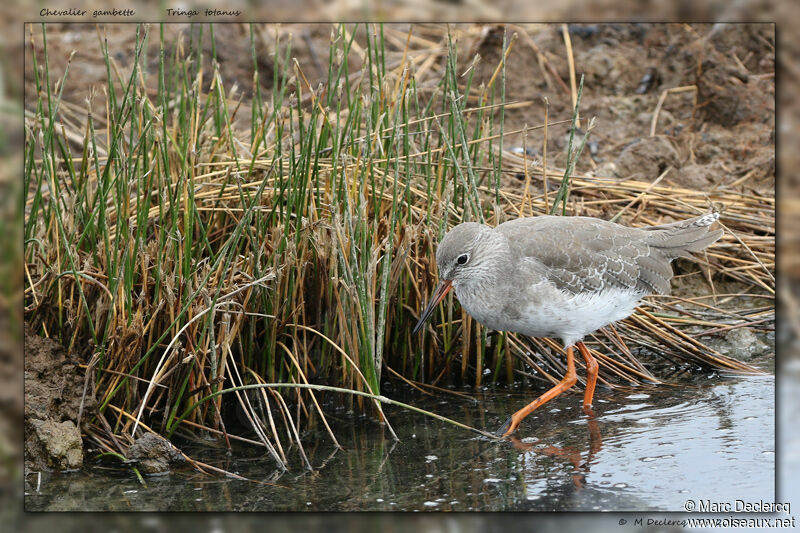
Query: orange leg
{"points": [[567, 381], [591, 374], [595, 437]]}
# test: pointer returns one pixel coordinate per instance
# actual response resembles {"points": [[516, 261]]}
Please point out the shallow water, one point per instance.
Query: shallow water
{"points": [[710, 437]]}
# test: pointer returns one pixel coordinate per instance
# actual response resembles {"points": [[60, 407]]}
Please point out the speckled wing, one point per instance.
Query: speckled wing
{"points": [[587, 255]]}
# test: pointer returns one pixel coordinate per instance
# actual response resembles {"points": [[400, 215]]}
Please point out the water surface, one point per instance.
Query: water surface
{"points": [[708, 437]]}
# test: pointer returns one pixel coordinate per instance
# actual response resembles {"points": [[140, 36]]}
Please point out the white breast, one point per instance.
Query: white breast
{"points": [[577, 316], [553, 313]]}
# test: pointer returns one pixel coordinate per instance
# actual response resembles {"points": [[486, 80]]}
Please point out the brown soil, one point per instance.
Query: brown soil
{"points": [[727, 134], [724, 135], [54, 387], [54, 391]]}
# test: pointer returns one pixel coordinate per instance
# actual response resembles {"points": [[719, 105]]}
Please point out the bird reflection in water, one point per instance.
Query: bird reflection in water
{"points": [[570, 453]]}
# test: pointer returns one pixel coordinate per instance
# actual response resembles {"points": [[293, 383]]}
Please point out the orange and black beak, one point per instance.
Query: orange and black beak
{"points": [[441, 291]]}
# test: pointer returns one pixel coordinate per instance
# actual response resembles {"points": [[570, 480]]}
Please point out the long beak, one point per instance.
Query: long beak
{"points": [[441, 291]]}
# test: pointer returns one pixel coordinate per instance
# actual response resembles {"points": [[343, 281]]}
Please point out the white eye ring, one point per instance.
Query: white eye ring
{"points": [[462, 259]]}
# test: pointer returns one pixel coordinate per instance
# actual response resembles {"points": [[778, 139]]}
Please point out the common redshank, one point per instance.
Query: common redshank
{"points": [[561, 277]]}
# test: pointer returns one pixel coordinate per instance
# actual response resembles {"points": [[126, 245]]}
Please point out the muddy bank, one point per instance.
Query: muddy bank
{"points": [[715, 128], [59, 403], [54, 392]]}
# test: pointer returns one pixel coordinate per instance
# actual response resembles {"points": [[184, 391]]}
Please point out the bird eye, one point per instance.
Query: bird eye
{"points": [[463, 258]]}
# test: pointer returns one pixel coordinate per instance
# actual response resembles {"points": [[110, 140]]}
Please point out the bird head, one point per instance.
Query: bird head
{"points": [[469, 256]]}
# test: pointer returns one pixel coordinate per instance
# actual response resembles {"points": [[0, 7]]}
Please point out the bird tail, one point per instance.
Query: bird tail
{"points": [[680, 238]]}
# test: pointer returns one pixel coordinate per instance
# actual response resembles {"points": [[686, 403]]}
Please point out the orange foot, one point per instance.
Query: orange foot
{"points": [[566, 382]]}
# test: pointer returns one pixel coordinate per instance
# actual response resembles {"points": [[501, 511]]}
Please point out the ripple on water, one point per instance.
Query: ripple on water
{"points": [[712, 435], [656, 449]]}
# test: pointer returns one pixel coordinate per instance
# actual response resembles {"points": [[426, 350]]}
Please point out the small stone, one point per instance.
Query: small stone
{"points": [[154, 454], [745, 343], [647, 157], [54, 445], [740, 343]]}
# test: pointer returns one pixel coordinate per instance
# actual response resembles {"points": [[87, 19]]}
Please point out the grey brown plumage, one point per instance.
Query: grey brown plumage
{"points": [[583, 254]]}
